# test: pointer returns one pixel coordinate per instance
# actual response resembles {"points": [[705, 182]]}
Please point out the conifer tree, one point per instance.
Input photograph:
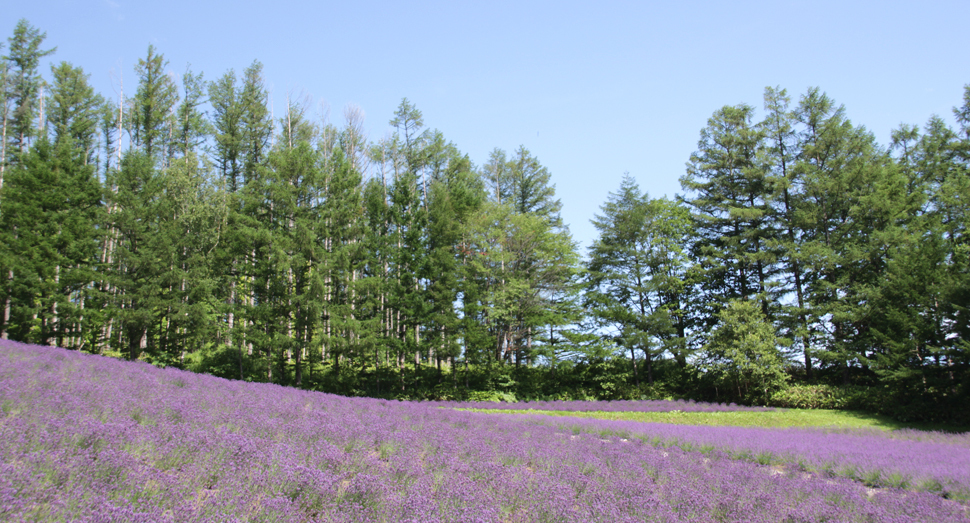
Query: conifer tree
{"points": [[637, 274], [191, 218], [52, 205], [227, 128], [138, 249], [456, 193], [24, 58], [74, 109], [778, 155], [153, 104], [191, 124], [852, 206], [246, 230], [729, 195]]}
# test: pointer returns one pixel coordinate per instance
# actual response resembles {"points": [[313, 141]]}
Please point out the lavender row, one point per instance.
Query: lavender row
{"points": [[936, 463], [961, 439], [93, 439], [605, 406]]}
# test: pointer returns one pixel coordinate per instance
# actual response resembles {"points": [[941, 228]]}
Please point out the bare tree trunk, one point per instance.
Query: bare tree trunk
{"points": [[649, 359], [107, 254], [466, 363], [7, 303], [528, 348], [250, 302], [299, 359], [55, 321], [121, 113], [633, 358], [6, 307], [417, 343], [3, 143], [41, 124]]}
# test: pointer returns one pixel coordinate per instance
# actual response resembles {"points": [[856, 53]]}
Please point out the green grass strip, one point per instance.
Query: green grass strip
{"points": [[778, 418]]}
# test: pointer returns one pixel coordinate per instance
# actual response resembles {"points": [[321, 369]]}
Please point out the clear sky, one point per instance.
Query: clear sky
{"points": [[593, 90]]}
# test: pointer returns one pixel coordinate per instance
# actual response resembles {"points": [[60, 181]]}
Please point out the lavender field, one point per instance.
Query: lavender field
{"points": [[915, 460], [86, 438]]}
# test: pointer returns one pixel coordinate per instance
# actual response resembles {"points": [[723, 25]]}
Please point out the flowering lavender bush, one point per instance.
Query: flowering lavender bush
{"points": [[934, 462], [604, 406], [85, 438], [947, 438]]}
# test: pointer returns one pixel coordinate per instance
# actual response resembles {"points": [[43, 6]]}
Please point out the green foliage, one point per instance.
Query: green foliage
{"points": [[742, 355], [636, 275], [805, 396], [492, 396], [152, 104], [522, 183], [191, 123], [300, 253], [74, 109], [731, 211], [25, 82], [48, 240], [778, 418]]}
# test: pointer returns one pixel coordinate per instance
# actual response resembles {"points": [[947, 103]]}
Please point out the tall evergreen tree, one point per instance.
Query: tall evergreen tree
{"points": [[191, 125], [191, 219], [4, 113], [256, 119], [74, 109], [729, 195], [637, 273], [24, 57], [52, 205], [523, 183], [779, 155], [227, 126], [456, 192], [852, 206], [139, 250], [151, 112], [244, 169]]}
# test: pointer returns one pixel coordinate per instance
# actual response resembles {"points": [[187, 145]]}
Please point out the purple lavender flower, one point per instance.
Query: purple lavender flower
{"points": [[86, 438]]}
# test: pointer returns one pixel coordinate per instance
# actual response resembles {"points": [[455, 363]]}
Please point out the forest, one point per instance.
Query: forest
{"points": [[188, 224]]}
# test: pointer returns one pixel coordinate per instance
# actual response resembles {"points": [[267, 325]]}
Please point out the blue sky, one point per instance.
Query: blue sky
{"points": [[592, 91]]}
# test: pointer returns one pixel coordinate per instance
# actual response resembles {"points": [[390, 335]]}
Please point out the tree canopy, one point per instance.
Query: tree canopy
{"points": [[186, 226]]}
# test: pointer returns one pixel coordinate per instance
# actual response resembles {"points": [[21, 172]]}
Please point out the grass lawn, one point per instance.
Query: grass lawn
{"points": [[775, 418]]}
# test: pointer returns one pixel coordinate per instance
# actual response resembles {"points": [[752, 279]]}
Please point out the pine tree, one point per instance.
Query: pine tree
{"points": [[192, 126], [854, 208], [74, 109], [244, 169], [296, 199], [4, 113], [778, 155], [24, 58], [919, 347], [256, 120], [152, 107], [636, 274], [228, 128], [52, 204], [456, 192], [523, 183], [341, 231], [729, 195]]}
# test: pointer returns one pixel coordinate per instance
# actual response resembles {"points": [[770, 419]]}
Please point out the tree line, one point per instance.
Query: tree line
{"points": [[188, 225]]}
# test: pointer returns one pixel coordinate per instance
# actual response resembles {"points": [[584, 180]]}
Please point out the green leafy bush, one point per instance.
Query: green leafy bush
{"points": [[821, 397], [491, 395]]}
